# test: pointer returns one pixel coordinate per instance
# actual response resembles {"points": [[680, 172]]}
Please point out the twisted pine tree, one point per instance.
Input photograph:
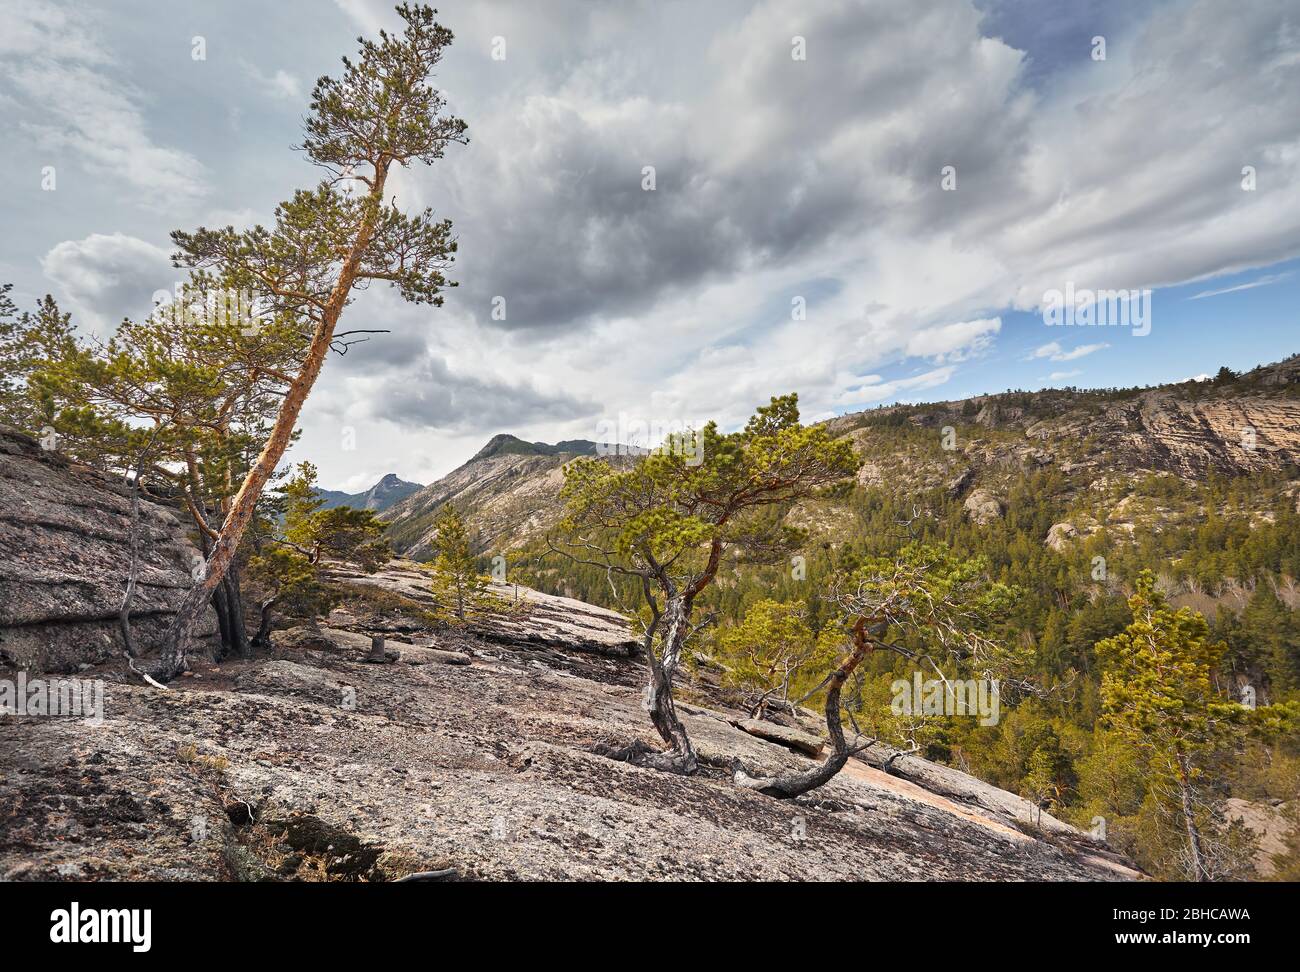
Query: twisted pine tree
{"points": [[673, 519], [1159, 694]]}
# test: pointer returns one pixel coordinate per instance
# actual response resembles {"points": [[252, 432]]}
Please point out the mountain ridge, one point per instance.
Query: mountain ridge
{"points": [[1235, 424], [389, 489]]}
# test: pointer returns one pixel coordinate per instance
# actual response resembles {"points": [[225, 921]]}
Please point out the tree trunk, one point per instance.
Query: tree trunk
{"points": [[663, 714], [794, 784], [235, 612], [245, 501], [1200, 871], [218, 603], [263, 636], [659, 693], [227, 600], [132, 573]]}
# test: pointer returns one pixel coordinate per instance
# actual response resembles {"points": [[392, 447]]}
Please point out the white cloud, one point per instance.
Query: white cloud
{"points": [[872, 389], [954, 342], [72, 102], [106, 277], [1053, 351], [776, 178], [1264, 281], [280, 85]]}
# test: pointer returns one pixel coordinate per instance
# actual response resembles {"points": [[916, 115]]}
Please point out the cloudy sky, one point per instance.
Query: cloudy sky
{"points": [[877, 220]]}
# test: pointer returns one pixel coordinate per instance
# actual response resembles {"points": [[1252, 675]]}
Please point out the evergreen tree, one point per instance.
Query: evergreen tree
{"points": [[670, 519], [462, 592], [330, 240], [293, 539], [1158, 696], [769, 651], [29, 343], [924, 599]]}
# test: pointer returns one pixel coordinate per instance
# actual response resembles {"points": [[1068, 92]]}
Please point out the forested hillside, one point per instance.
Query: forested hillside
{"points": [[1067, 495]]}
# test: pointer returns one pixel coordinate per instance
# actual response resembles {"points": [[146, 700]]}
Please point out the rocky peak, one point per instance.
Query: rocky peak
{"points": [[505, 444], [391, 489]]}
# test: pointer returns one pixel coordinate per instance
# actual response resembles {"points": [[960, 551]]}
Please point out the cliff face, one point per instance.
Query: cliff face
{"points": [[64, 554], [475, 753], [1189, 430]]}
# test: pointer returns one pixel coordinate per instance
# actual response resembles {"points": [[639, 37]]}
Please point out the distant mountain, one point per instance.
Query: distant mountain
{"points": [[1229, 426], [509, 445], [379, 497], [507, 490]]}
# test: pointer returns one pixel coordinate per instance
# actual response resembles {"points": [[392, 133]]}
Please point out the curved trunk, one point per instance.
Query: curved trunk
{"points": [[794, 784]]}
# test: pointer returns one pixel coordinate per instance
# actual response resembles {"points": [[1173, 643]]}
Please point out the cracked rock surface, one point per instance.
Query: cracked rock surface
{"points": [[312, 764]]}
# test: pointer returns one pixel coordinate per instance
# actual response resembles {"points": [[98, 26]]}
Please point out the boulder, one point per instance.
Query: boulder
{"points": [[1060, 535], [958, 485], [535, 618], [64, 557], [983, 507]]}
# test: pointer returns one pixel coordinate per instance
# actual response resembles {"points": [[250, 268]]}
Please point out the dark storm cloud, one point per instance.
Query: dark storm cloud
{"points": [[431, 396], [772, 159]]}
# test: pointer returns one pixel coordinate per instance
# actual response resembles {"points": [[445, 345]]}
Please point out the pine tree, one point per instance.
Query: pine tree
{"points": [[924, 597], [289, 564], [668, 520], [769, 651], [29, 343], [1158, 695], [335, 238], [462, 592]]}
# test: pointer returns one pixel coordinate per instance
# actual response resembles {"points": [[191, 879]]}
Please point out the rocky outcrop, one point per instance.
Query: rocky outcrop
{"points": [[1163, 431], [315, 764], [532, 618], [64, 556], [983, 507], [1271, 824], [1060, 535]]}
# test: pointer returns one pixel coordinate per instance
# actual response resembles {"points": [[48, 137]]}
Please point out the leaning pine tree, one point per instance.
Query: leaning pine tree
{"points": [[333, 239]]}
